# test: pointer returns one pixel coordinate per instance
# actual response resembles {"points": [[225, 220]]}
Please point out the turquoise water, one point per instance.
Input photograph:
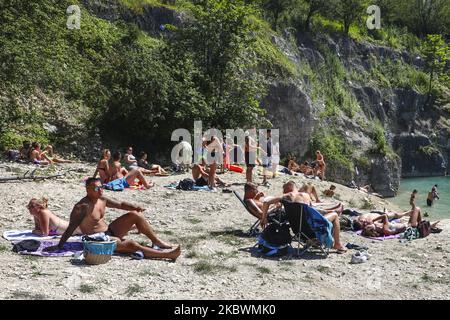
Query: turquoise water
{"points": [[440, 208]]}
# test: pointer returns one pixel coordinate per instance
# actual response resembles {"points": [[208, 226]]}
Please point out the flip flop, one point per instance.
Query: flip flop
{"points": [[436, 230], [341, 251], [356, 247]]}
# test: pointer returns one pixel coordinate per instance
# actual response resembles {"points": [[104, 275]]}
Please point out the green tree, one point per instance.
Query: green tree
{"points": [[220, 43], [313, 7], [349, 11], [275, 8], [436, 53]]}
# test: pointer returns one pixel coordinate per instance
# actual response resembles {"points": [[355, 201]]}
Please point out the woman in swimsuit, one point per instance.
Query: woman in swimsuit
{"points": [[37, 156], [103, 167], [321, 166], [147, 168], [45, 222], [213, 145], [54, 157]]}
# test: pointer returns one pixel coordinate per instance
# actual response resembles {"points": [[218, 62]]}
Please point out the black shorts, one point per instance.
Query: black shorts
{"points": [[109, 232], [429, 202], [200, 182]]}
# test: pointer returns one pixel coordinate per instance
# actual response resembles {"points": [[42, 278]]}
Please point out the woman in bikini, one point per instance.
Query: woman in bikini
{"points": [[103, 167], [37, 156], [45, 222], [53, 157], [321, 166]]}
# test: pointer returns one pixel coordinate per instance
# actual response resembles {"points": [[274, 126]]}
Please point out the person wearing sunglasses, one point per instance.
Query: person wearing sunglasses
{"points": [[89, 215]]}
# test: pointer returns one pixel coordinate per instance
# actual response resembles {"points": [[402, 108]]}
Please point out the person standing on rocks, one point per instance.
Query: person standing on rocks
{"points": [[88, 215], [321, 166]]}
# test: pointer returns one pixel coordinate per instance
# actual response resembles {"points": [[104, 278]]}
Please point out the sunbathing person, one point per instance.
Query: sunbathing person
{"points": [[292, 165], [36, 155], [152, 168], [291, 192], [89, 215], [255, 200], [132, 163], [25, 151], [45, 222], [330, 192], [128, 177], [381, 226], [306, 169], [103, 167], [311, 190], [200, 174], [214, 146], [53, 157]]}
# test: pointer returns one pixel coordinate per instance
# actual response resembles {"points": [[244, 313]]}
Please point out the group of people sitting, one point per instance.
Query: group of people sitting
{"points": [[32, 152], [316, 168], [88, 217], [261, 206]]}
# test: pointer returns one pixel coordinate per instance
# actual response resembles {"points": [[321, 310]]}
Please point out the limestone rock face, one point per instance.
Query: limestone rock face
{"points": [[290, 110], [419, 156]]}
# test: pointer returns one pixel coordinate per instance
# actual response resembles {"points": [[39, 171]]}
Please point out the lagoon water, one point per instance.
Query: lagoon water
{"points": [[440, 208]]}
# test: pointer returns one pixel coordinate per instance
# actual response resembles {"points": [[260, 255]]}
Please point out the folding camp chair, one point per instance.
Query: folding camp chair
{"points": [[253, 231], [308, 225]]}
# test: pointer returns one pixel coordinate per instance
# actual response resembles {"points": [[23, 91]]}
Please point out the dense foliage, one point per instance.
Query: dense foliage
{"points": [[216, 67]]}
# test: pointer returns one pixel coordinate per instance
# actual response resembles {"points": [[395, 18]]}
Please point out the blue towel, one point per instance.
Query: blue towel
{"points": [[321, 226]]}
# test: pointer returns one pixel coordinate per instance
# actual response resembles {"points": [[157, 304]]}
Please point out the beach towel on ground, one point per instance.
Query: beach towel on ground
{"points": [[69, 249], [18, 235], [395, 236]]}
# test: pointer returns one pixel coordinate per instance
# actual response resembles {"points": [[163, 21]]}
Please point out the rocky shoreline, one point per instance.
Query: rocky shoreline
{"points": [[218, 261]]}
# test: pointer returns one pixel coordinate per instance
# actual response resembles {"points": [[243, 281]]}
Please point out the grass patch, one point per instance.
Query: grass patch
{"points": [[149, 273], [206, 267], [87, 288], [134, 289], [263, 270], [193, 220], [190, 242], [324, 269], [4, 248], [23, 295], [168, 232], [192, 254], [367, 204]]}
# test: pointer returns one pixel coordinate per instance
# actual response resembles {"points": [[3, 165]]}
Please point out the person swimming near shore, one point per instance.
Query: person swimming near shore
{"points": [[45, 222], [88, 215], [432, 195]]}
